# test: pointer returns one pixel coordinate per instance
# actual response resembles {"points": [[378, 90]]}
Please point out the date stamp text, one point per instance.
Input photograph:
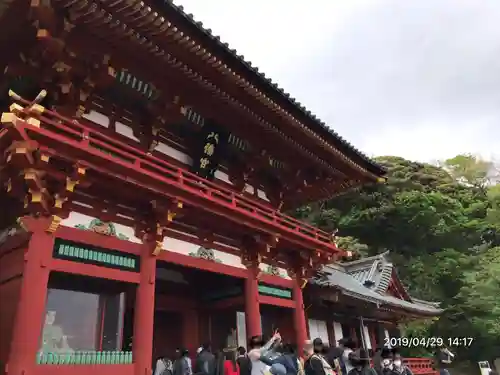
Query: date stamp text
{"points": [[428, 342]]}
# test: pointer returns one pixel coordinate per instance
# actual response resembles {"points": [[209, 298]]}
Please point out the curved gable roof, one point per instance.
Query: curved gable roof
{"points": [[369, 279], [270, 88]]}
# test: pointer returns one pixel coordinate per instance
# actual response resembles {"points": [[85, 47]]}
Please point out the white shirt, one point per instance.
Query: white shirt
{"points": [[259, 367], [160, 367], [345, 358]]}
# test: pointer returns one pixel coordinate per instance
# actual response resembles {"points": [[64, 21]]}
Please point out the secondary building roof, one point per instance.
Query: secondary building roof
{"points": [[375, 280]]}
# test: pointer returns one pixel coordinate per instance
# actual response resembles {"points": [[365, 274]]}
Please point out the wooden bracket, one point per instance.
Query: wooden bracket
{"points": [[266, 243], [152, 234], [28, 112], [155, 231], [54, 224], [251, 258], [165, 213]]}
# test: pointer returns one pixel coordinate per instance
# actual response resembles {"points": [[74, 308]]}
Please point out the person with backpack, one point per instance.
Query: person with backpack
{"points": [[319, 349], [244, 362], [312, 363]]}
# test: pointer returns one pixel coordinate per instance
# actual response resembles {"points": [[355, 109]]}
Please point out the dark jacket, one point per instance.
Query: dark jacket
{"points": [[405, 370], [314, 366], [289, 362], [367, 370], [333, 354], [181, 366], [205, 363], [245, 365]]}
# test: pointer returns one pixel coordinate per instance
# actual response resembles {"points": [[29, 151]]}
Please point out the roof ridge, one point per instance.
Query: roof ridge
{"points": [[367, 259]]}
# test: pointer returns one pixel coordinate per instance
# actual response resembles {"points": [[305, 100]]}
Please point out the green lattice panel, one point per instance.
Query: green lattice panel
{"points": [[80, 253], [85, 358]]}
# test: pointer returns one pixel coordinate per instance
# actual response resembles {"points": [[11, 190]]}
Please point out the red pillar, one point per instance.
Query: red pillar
{"points": [[142, 346], [252, 308], [190, 331], [299, 315], [30, 315]]}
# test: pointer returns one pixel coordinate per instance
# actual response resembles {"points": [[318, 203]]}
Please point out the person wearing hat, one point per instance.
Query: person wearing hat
{"points": [[360, 361]]}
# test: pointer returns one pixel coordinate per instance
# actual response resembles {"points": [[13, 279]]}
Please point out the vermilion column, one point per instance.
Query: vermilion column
{"points": [[252, 308], [190, 331], [299, 315], [142, 345], [30, 315]]}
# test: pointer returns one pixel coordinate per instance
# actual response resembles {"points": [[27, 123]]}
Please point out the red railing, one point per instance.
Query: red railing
{"points": [[63, 134], [421, 366]]}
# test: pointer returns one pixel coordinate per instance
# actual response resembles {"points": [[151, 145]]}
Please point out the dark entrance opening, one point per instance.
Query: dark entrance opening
{"points": [[193, 307], [167, 335]]}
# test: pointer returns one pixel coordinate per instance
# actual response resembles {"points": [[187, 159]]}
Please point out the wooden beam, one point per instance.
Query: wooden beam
{"points": [[208, 104]]}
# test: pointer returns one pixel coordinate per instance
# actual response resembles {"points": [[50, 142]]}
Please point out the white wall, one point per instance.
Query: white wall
{"points": [[170, 244], [318, 328], [126, 131], [388, 337], [366, 336], [337, 331]]}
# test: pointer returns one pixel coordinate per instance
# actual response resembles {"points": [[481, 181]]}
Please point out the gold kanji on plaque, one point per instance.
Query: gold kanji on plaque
{"points": [[213, 136], [209, 149], [204, 163]]}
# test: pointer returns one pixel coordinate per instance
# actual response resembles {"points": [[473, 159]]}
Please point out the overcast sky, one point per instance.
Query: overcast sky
{"points": [[415, 78]]}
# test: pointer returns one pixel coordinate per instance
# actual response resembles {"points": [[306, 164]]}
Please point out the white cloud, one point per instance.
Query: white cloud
{"points": [[415, 78]]}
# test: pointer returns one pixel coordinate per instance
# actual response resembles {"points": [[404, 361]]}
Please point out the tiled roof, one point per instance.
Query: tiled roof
{"points": [[268, 86], [373, 272], [368, 279]]}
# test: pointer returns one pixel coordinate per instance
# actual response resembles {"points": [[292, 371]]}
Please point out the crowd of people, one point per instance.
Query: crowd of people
{"points": [[276, 357]]}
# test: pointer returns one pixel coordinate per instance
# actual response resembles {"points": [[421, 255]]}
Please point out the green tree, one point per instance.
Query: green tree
{"points": [[442, 224], [358, 249], [470, 169]]}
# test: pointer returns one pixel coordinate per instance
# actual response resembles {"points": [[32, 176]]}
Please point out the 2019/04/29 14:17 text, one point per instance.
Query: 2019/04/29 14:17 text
{"points": [[428, 342]]}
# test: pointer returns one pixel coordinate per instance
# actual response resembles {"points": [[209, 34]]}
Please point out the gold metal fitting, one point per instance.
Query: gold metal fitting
{"points": [[70, 184], [54, 224], [158, 247], [16, 108], [9, 118], [33, 122], [37, 109]]}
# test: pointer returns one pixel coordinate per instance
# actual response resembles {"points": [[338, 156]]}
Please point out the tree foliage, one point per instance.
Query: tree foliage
{"points": [[470, 169], [442, 225]]}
